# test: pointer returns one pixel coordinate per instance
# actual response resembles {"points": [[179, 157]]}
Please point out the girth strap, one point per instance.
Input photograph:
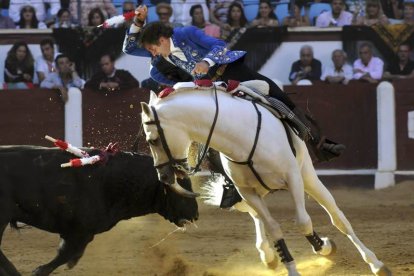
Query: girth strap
{"points": [[249, 161]]}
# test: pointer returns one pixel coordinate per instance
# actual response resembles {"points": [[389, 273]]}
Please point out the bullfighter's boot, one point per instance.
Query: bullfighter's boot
{"points": [[322, 148]]}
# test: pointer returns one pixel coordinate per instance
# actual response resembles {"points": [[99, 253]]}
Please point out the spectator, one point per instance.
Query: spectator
{"points": [[19, 66], [339, 71], [95, 17], [164, 12], [64, 78], [128, 6], [356, 7], [181, 10], [373, 15], [403, 68], [265, 16], [367, 67], [28, 19], [63, 20], [297, 19], [392, 8], [219, 10], [196, 13], [338, 16], [38, 5], [6, 22], [307, 67], [110, 79], [408, 13], [236, 22], [45, 64], [106, 7]]}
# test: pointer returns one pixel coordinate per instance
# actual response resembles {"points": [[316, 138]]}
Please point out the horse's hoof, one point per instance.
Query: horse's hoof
{"points": [[273, 264], [328, 248], [384, 271]]}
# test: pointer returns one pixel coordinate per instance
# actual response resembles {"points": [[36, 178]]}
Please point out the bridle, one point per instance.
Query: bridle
{"points": [[182, 164]]}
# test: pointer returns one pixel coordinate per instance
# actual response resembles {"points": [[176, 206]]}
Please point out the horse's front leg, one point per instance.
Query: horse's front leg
{"points": [[271, 226], [266, 253]]}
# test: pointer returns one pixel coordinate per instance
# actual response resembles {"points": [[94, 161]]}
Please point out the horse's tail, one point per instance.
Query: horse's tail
{"points": [[212, 190]]}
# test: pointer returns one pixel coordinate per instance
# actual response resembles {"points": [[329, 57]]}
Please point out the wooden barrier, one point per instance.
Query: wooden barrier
{"points": [[28, 115], [346, 114], [404, 103], [113, 117]]}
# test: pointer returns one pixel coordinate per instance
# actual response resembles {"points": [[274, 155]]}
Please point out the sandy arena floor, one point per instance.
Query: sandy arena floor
{"points": [[223, 243]]}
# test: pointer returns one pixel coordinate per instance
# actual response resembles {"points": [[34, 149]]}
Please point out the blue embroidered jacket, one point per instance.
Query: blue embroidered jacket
{"points": [[195, 45]]}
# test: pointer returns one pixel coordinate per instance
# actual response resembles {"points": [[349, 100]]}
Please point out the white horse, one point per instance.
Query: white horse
{"points": [[173, 122]]}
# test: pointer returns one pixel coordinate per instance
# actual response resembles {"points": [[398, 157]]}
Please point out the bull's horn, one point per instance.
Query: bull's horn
{"points": [[181, 191]]}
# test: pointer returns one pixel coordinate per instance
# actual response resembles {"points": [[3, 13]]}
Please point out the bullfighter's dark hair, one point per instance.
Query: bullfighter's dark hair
{"points": [[152, 32]]}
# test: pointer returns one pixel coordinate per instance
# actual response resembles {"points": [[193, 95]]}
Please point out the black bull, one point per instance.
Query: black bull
{"points": [[78, 203]]}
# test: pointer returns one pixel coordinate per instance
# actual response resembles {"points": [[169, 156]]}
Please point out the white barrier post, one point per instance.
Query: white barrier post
{"points": [[387, 148], [410, 124], [73, 117]]}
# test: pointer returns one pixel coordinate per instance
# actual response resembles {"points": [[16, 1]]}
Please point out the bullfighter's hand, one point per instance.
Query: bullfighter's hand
{"points": [[140, 15], [201, 68]]}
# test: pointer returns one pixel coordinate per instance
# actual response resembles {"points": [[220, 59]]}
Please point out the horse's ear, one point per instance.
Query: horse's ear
{"points": [[146, 109], [153, 97]]}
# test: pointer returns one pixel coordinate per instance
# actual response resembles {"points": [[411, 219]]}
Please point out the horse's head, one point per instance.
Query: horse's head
{"points": [[168, 143]]}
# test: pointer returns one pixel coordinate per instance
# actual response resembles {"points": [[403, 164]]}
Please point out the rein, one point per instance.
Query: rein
{"points": [[182, 164]]}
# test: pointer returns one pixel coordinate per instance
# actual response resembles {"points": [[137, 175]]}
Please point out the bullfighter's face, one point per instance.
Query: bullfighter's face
{"points": [[163, 47]]}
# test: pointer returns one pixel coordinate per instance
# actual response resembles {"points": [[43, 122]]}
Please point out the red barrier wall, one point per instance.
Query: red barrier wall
{"points": [[404, 102], [346, 114], [28, 115], [113, 117]]}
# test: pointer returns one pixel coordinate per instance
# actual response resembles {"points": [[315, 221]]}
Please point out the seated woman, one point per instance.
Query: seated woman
{"points": [[296, 20], [236, 24], [408, 13], [266, 16], [198, 20], [373, 16], [63, 20], [96, 17], [28, 19], [19, 66]]}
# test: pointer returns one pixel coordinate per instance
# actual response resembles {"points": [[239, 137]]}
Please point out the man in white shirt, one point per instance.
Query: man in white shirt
{"points": [[367, 67], [39, 5], [336, 17], [339, 71], [181, 11], [45, 64]]}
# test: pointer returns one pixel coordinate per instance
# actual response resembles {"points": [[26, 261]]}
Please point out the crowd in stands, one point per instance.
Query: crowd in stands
{"points": [[225, 19]]}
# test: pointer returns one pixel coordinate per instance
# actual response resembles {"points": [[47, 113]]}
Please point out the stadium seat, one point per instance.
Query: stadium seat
{"points": [[316, 9], [117, 3], [5, 12], [251, 11], [282, 10], [250, 2], [152, 14]]}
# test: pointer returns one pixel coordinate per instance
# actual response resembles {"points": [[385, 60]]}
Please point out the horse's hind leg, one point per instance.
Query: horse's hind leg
{"points": [[315, 188], [262, 243], [271, 226], [6, 267], [296, 189]]}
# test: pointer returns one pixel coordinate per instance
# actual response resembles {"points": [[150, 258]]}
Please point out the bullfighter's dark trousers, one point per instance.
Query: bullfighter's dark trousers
{"points": [[323, 149]]}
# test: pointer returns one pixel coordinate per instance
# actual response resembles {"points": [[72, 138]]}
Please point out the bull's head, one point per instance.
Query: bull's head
{"points": [[169, 145]]}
